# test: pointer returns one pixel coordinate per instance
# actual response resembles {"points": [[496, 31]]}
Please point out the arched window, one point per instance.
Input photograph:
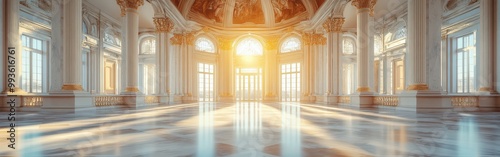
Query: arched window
{"points": [[148, 46], [249, 47], [377, 47], [290, 45], [401, 33], [348, 46], [205, 45]]}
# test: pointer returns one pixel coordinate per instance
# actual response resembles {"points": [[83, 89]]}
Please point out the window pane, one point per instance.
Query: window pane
{"points": [[290, 45], [249, 47], [204, 45]]}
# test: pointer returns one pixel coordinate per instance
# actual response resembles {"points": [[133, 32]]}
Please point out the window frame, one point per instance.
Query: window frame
{"points": [[43, 51], [209, 41], [289, 39]]}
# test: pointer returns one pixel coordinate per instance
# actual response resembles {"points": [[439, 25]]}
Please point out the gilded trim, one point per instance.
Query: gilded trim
{"points": [[74, 87], [418, 87]]}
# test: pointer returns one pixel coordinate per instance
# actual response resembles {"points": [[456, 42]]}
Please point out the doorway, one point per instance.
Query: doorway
{"points": [[248, 84]]}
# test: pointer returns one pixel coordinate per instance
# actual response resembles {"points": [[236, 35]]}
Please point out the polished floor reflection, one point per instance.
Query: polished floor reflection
{"points": [[254, 129]]}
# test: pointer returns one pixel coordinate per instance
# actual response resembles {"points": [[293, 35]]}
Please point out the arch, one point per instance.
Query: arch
{"points": [[249, 46], [349, 44], [147, 44], [398, 30], [291, 44], [204, 44]]}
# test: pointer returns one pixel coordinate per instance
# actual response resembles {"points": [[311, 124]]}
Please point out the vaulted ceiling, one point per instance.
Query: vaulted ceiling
{"points": [[243, 13]]}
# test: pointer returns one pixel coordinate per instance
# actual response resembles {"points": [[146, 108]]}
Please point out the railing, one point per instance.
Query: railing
{"points": [[386, 100], [32, 101], [345, 99], [465, 101], [108, 100], [151, 99]]}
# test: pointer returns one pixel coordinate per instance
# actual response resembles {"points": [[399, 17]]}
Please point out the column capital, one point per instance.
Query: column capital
{"points": [[133, 4], [224, 43], [306, 38], [365, 4], [189, 38], [177, 39], [318, 39], [163, 24], [334, 24]]}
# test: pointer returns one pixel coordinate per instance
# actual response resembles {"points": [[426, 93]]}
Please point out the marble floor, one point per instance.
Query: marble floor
{"points": [[254, 129]]}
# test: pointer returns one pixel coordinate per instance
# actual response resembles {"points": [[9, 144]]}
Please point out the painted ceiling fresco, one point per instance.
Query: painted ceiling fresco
{"points": [[248, 11], [287, 9], [320, 2], [177, 3], [211, 9]]}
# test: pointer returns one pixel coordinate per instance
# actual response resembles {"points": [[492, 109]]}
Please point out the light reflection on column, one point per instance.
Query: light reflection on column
{"points": [[290, 130], [205, 141], [468, 139], [248, 126], [396, 140]]}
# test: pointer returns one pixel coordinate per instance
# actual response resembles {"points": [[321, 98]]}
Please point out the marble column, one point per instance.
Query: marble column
{"points": [[365, 7], [13, 41], [333, 27], [163, 27], [270, 71], [417, 27], [486, 46], [226, 80], [72, 48], [129, 10]]}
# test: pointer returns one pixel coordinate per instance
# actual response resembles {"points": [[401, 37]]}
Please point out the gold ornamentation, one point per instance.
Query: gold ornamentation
{"points": [[363, 4], [466, 101], [485, 89], [225, 44], [334, 24], [306, 38], [108, 100], [344, 99], [32, 101], [177, 39], [132, 89], [418, 87], [318, 39], [151, 99], [73, 87], [189, 38], [363, 89], [163, 24], [386, 100], [133, 4]]}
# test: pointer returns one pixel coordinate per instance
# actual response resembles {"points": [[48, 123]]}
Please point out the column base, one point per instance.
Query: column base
{"points": [[15, 91], [188, 98], [422, 100], [308, 99], [361, 100], [175, 99], [68, 102], [134, 101], [164, 99]]}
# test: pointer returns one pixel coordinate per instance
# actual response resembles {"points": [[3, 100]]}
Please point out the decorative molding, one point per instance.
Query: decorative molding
{"points": [[32, 101], [344, 99], [108, 100], [151, 99], [72, 87], [177, 39], [132, 4], [418, 87], [363, 89], [318, 39], [363, 4], [189, 38], [465, 101], [163, 24], [334, 24], [386, 100]]}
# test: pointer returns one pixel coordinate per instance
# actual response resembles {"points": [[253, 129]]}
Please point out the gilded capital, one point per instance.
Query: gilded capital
{"points": [[177, 39], [163, 24], [306, 38], [363, 4], [334, 24], [225, 44], [318, 39], [133, 4], [189, 38]]}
